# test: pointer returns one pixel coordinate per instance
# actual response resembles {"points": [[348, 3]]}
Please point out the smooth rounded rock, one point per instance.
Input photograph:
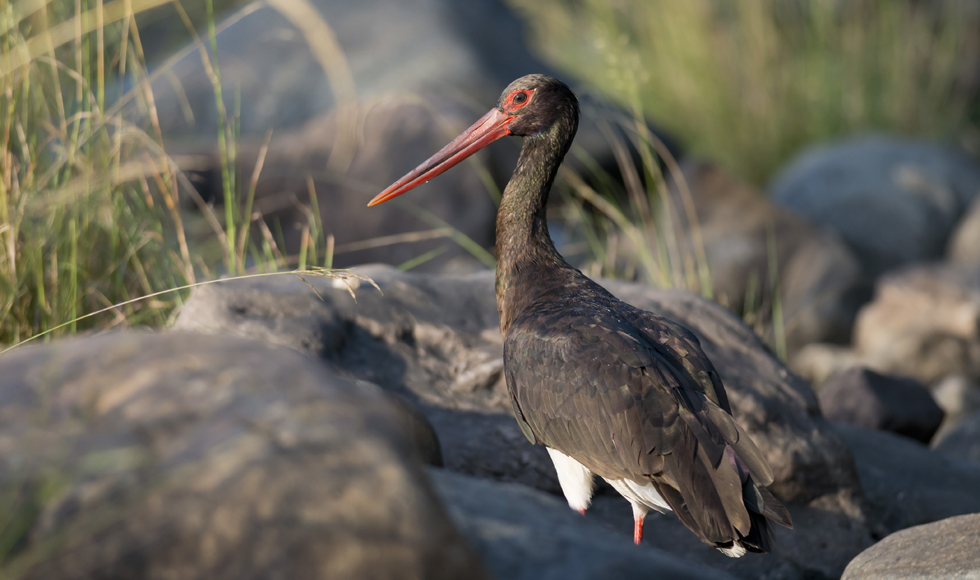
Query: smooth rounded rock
{"points": [[907, 483], [958, 397], [962, 440], [893, 200], [945, 550], [964, 244], [183, 455], [923, 323], [859, 396], [819, 279], [525, 534]]}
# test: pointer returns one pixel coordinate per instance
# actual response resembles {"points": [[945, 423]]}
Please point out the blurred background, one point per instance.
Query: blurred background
{"points": [[782, 157]]}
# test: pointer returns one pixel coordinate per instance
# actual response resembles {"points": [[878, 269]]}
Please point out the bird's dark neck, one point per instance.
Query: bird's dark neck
{"points": [[527, 262]]}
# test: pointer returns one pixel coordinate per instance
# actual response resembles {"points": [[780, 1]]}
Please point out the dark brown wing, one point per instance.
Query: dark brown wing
{"points": [[632, 395], [580, 387]]}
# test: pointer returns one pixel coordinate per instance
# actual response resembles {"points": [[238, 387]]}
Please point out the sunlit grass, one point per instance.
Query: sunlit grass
{"points": [[89, 207], [750, 83], [90, 202]]}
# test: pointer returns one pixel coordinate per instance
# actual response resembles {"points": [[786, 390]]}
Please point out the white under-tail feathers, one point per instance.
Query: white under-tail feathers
{"points": [[576, 480], [578, 485]]}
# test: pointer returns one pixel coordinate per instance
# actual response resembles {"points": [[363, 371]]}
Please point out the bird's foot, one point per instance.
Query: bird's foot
{"points": [[638, 531], [582, 511]]}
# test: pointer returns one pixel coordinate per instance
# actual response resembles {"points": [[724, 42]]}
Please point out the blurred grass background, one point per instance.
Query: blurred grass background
{"points": [[90, 205], [750, 83]]}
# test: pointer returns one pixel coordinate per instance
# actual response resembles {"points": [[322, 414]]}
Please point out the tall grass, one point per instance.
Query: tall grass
{"points": [[749, 83], [90, 202], [89, 208]]}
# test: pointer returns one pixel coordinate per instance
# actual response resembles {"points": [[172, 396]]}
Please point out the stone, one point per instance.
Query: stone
{"points": [[142, 455], [958, 397], [435, 340], [906, 483], [822, 289], [942, 550], [818, 362], [432, 339], [421, 433], [524, 534], [819, 280], [923, 322], [894, 201], [962, 440], [396, 135], [285, 74], [964, 244], [862, 397]]}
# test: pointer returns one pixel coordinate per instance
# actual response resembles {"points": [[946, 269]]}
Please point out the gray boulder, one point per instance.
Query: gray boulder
{"points": [[417, 428], [432, 339], [958, 397], [179, 455], [436, 340], [819, 280], [524, 534], [963, 440], [923, 323], [908, 484], [275, 61], [944, 550], [396, 134], [819, 362], [964, 244], [893, 201], [862, 397]]}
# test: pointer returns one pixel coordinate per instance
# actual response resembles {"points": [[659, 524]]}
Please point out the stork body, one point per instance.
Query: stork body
{"points": [[609, 389]]}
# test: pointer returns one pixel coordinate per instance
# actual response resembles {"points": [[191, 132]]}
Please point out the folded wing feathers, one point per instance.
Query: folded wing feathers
{"points": [[663, 412], [719, 486]]}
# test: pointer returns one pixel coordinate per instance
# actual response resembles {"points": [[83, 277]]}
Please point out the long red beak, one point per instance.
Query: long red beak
{"points": [[488, 129]]}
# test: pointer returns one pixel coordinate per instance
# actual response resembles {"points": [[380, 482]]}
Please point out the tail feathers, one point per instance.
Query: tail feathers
{"points": [[760, 538], [759, 500], [721, 503], [764, 510]]}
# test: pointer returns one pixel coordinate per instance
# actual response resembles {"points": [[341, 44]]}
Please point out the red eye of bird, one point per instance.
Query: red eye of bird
{"points": [[519, 99]]}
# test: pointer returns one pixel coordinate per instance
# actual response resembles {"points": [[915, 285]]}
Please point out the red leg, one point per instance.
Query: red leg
{"points": [[637, 531], [582, 511]]}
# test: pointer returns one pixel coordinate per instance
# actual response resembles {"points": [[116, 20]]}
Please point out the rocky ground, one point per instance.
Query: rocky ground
{"points": [[277, 433]]}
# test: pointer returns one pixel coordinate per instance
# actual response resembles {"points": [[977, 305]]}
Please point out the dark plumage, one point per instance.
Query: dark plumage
{"points": [[623, 392]]}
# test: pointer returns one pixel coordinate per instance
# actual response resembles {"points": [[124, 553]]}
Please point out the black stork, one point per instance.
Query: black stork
{"points": [[609, 389]]}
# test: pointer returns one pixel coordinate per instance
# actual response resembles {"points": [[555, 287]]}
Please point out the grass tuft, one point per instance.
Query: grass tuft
{"points": [[90, 202]]}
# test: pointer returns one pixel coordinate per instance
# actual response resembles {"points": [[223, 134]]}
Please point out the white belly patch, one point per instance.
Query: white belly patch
{"points": [[576, 480]]}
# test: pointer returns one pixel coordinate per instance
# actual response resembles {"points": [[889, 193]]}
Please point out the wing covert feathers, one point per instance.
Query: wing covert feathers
{"points": [[631, 395]]}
